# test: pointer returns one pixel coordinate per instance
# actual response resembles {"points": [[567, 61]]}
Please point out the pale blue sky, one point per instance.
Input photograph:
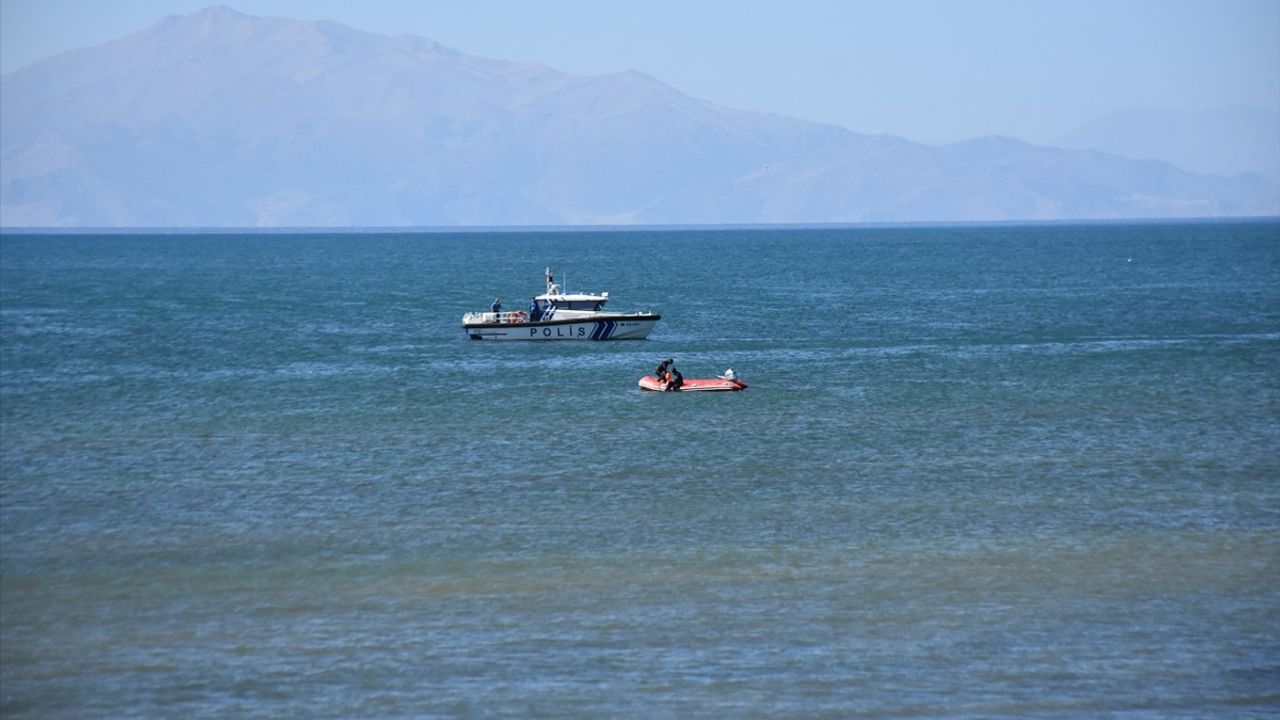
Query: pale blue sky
{"points": [[929, 70]]}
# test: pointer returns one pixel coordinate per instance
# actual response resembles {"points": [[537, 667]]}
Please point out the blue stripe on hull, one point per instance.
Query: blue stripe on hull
{"points": [[603, 329]]}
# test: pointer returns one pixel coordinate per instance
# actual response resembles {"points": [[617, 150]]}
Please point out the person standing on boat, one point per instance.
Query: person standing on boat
{"points": [[661, 372], [497, 309], [533, 310]]}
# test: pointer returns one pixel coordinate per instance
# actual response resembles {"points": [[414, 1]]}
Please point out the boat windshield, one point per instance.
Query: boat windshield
{"points": [[578, 304]]}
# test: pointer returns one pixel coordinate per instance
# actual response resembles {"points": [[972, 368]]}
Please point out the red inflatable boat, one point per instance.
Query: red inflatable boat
{"points": [[718, 384]]}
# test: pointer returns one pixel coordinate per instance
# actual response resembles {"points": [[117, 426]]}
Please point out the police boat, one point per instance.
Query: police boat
{"points": [[557, 315]]}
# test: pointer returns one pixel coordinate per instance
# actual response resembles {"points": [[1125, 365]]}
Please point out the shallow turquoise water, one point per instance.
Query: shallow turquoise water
{"points": [[980, 472]]}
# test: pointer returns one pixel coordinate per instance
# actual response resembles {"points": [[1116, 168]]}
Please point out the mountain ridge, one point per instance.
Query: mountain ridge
{"points": [[223, 119], [1222, 141]]}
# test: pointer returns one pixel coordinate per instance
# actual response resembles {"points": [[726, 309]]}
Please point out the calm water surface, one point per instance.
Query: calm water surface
{"points": [[979, 472]]}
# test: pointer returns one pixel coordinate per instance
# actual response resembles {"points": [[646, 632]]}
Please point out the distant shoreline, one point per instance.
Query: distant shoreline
{"points": [[464, 229]]}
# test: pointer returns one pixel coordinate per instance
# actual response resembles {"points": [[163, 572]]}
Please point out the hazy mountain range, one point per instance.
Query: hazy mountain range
{"points": [[222, 119], [1222, 141]]}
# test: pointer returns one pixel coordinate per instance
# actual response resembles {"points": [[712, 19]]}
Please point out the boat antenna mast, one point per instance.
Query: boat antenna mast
{"points": [[552, 288]]}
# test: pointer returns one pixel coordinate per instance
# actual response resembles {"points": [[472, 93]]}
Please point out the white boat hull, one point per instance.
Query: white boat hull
{"points": [[618, 327]]}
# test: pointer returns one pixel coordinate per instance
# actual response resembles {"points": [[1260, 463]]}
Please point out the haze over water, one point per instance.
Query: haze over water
{"points": [[981, 471]]}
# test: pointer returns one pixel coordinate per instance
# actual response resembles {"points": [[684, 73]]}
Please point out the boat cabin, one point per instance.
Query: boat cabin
{"points": [[550, 303]]}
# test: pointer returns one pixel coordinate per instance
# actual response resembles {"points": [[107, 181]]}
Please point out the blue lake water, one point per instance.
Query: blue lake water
{"points": [[981, 471]]}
